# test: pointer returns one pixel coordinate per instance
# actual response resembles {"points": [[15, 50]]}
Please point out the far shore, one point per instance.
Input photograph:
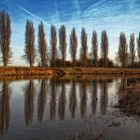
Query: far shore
{"points": [[27, 72]]}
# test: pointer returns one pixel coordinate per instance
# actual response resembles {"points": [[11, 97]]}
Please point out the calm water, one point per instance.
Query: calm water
{"points": [[53, 109]]}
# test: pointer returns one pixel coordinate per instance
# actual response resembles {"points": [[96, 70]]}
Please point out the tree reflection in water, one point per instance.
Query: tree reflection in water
{"points": [[73, 99], [41, 100], [83, 95], [53, 99], [29, 103], [104, 97], [62, 102], [4, 108], [94, 98], [55, 85]]}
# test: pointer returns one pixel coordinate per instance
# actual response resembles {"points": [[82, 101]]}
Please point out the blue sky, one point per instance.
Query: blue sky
{"points": [[113, 16]]}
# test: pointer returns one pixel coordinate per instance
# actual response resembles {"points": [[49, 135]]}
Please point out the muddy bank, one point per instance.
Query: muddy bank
{"points": [[130, 103]]}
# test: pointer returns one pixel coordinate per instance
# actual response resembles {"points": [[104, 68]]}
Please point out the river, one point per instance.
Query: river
{"points": [[59, 109]]}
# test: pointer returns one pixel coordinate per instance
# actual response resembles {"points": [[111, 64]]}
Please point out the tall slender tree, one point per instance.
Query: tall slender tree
{"points": [[132, 49], [138, 48], [73, 46], [104, 48], [5, 37], [94, 43], [42, 45], [53, 43], [62, 44], [122, 52], [84, 48], [29, 43]]}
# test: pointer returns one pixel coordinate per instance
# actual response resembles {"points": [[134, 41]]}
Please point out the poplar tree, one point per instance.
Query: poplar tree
{"points": [[132, 49], [104, 48], [122, 52], [62, 44], [138, 46], [94, 43], [42, 45], [53, 43], [29, 43], [5, 37], [84, 48], [73, 46]]}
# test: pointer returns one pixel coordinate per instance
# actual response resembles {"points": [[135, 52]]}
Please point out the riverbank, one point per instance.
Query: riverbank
{"points": [[29, 71], [57, 72], [99, 71], [130, 103]]}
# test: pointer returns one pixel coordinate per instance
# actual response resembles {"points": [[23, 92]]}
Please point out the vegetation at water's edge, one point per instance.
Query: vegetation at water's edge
{"points": [[59, 72]]}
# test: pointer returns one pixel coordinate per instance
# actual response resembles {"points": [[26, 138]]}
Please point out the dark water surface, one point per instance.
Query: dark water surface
{"points": [[59, 109]]}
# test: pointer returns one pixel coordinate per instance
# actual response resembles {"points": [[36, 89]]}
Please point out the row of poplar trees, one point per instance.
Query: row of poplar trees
{"points": [[124, 56]]}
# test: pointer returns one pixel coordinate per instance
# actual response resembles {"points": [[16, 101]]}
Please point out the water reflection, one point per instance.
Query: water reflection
{"points": [[41, 100], [29, 103], [4, 108], [73, 99], [53, 99], [83, 96], [62, 102], [59, 100], [104, 97], [94, 97]]}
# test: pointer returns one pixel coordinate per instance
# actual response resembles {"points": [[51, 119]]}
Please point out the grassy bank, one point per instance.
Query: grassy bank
{"points": [[28, 71], [99, 71], [34, 71]]}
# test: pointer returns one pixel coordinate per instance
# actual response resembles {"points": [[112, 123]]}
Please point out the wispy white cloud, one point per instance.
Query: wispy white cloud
{"points": [[110, 15], [92, 8], [33, 15]]}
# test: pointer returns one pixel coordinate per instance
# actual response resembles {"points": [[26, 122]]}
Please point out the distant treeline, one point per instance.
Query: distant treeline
{"points": [[56, 56]]}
